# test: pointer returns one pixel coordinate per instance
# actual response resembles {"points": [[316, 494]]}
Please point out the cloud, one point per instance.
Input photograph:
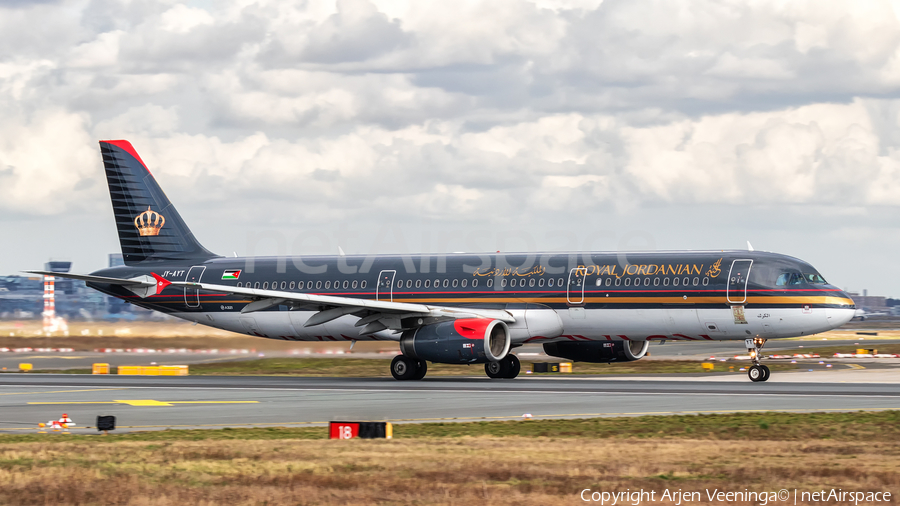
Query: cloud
{"points": [[466, 114]]}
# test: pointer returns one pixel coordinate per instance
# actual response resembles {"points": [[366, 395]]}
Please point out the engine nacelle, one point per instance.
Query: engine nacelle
{"points": [[466, 341], [598, 351]]}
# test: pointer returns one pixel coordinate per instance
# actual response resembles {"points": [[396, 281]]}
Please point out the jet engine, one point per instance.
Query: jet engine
{"points": [[465, 341], [598, 351]]}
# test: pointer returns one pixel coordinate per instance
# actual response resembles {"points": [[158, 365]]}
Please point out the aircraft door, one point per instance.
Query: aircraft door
{"points": [[384, 290], [575, 289], [737, 281], [192, 295]]}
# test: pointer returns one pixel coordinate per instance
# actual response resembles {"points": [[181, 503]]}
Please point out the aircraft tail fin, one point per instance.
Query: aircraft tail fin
{"points": [[150, 229]]}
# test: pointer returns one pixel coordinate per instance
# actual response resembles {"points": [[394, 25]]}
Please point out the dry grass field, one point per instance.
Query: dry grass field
{"points": [[479, 470], [446, 464]]}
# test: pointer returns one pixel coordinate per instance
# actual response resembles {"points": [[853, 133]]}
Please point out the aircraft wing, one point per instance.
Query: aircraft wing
{"points": [[374, 315]]}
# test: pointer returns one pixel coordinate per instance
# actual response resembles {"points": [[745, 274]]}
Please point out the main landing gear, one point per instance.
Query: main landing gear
{"points": [[406, 368], [757, 372], [508, 368]]}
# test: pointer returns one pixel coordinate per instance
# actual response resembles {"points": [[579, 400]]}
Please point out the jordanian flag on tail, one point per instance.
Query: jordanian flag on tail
{"points": [[233, 274]]}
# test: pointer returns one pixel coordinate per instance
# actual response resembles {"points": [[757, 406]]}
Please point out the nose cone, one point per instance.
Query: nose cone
{"points": [[841, 314]]}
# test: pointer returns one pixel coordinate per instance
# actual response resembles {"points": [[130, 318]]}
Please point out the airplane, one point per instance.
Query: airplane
{"points": [[460, 308]]}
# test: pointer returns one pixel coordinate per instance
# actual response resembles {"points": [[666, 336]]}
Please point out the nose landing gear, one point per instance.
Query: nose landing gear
{"points": [[757, 372]]}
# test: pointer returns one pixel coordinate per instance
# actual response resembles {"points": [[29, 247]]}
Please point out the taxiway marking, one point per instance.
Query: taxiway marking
{"points": [[148, 402], [63, 391]]}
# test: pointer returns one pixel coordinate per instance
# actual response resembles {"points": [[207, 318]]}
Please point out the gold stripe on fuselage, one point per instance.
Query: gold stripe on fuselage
{"points": [[690, 300]]}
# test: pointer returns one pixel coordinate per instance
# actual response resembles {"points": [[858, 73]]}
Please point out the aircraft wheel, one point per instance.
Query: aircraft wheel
{"points": [[403, 368], [766, 373], [496, 370], [514, 366], [421, 369], [756, 373]]}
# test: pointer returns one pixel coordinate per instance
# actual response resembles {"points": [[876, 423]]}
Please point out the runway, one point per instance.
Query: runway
{"points": [[149, 403]]}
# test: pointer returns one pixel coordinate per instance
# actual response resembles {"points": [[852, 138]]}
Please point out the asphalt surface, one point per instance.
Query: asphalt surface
{"points": [[148, 403]]}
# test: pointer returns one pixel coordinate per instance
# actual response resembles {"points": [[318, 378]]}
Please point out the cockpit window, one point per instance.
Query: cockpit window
{"points": [[795, 278], [814, 278], [789, 279]]}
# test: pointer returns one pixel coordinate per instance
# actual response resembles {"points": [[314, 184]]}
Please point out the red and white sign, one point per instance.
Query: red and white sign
{"points": [[343, 430]]}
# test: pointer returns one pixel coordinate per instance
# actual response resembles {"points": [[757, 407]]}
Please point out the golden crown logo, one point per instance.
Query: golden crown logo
{"points": [[149, 222]]}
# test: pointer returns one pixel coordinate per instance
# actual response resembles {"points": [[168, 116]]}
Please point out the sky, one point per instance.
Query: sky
{"points": [[280, 127]]}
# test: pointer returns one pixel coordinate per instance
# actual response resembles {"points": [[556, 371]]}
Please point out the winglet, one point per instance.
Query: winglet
{"points": [[161, 282]]}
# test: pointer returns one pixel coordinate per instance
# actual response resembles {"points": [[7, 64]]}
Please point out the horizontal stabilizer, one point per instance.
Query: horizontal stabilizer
{"points": [[139, 282]]}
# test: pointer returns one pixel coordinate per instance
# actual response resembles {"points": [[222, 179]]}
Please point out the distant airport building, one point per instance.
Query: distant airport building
{"points": [[871, 303]]}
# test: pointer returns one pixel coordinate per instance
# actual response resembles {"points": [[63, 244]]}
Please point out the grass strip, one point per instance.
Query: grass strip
{"points": [[371, 368], [773, 426], [829, 351]]}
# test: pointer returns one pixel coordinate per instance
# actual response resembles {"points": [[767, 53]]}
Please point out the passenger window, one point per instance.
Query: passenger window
{"points": [[346, 284], [327, 285], [418, 283], [455, 282], [274, 285], [408, 283], [665, 281], [256, 285], [446, 283], [512, 282], [503, 282], [655, 281], [362, 284], [705, 281], [309, 285], [627, 281], [531, 282], [618, 281], [550, 282], [355, 284], [541, 282], [646, 281], [696, 281], [675, 282], [608, 281], [464, 282], [559, 282], [599, 282], [490, 283], [427, 283], [337, 284], [474, 283], [292, 285], [239, 284], [266, 285], [686, 281], [283, 285]]}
